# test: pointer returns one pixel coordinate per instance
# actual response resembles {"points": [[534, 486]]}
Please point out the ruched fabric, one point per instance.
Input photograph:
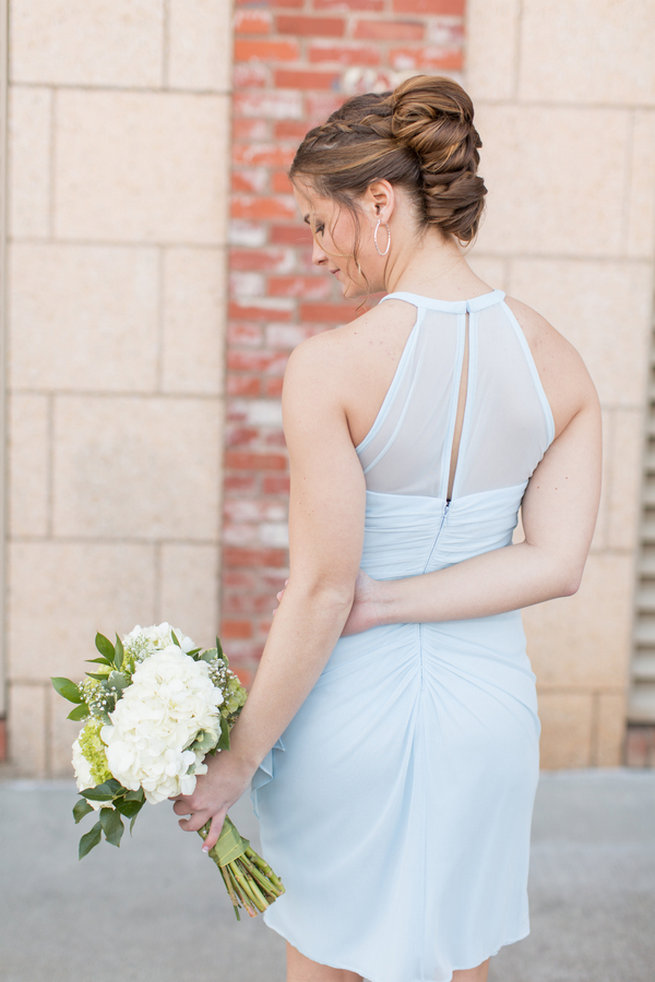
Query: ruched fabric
{"points": [[397, 805]]}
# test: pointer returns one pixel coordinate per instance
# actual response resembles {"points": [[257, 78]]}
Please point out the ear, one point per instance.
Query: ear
{"points": [[380, 200]]}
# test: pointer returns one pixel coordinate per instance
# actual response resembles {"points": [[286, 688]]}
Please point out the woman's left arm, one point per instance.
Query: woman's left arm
{"points": [[326, 526]]}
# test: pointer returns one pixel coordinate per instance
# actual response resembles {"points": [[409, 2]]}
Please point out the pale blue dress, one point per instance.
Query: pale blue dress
{"points": [[397, 805]]}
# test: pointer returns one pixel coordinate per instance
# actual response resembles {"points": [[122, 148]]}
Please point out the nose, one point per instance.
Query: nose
{"points": [[318, 256]]}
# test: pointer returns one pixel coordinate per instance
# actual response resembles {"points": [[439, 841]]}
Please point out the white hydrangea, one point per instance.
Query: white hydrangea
{"points": [[170, 701], [82, 768], [144, 641]]}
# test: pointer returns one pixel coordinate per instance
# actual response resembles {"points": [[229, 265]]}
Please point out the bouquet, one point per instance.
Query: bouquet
{"points": [[156, 706]]}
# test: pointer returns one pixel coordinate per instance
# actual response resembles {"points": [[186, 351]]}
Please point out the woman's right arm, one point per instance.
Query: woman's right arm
{"points": [[558, 514]]}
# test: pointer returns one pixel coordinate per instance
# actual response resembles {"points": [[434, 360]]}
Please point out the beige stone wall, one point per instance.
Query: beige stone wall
{"points": [[565, 97], [118, 168]]}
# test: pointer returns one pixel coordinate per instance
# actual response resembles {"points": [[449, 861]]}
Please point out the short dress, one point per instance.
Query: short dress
{"points": [[397, 804]]}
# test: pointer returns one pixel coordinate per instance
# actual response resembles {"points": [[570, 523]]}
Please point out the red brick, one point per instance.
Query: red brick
{"points": [[287, 78], [245, 675], [236, 629], [289, 129], [250, 180], [244, 312], [255, 361], [278, 49], [251, 75], [344, 54], [241, 483], [269, 105], [263, 154], [453, 8], [424, 58], [329, 27], [275, 260], [275, 484], [244, 461], [280, 182], [250, 335], [289, 235], [389, 30], [309, 287], [241, 436], [3, 740], [248, 130], [252, 21], [272, 387], [234, 556], [243, 385], [263, 208], [348, 6]]}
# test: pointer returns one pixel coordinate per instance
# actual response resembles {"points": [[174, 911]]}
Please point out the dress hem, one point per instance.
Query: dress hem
{"points": [[523, 933]]}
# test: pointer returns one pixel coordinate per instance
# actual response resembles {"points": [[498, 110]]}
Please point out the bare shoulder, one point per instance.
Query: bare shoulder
{"points": [[564, 375]]}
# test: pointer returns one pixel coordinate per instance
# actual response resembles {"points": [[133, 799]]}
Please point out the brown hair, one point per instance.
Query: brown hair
{"points": [[420, 137]]}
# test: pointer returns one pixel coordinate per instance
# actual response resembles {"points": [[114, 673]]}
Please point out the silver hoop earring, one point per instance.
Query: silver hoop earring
{"points": [[375, 238]]}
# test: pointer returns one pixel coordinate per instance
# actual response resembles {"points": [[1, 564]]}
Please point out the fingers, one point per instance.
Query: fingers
{"points": [[214, 831]]}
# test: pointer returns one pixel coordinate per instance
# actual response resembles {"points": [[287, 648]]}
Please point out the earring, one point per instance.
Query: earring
{"points": [[379, 251]]}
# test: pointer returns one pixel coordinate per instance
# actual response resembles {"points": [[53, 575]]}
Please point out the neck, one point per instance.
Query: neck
{"points": [[435, 267]]}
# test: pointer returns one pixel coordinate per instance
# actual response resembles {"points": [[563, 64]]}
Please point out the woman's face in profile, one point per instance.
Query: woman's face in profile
{"points": [[335, 234]]}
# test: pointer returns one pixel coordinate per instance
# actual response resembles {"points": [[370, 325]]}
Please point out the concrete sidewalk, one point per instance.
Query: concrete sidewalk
{"points": [[155, 910]]}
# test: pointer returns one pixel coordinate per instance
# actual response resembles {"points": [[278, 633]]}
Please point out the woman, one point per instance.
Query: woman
{"points": [[397, 803]]}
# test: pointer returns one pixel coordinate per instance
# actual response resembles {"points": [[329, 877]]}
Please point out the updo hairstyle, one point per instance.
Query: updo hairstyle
{"points": [[420, 137]]}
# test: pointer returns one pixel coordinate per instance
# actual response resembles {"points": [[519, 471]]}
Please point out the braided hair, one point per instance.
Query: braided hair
{"points": [[420, 136]]}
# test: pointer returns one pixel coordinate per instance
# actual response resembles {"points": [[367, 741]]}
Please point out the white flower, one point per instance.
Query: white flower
{"points": [[82, 769], [147, 640], [170, 701]]}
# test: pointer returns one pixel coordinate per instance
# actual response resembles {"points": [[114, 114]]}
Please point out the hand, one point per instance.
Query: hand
{"points": [[366, 609], [226, 779]]}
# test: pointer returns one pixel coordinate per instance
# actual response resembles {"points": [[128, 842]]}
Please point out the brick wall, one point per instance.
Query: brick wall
{"points": [[294, 62]]}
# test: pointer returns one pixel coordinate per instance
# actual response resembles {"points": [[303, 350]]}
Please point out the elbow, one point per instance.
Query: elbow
{"points": [[568, 580]]}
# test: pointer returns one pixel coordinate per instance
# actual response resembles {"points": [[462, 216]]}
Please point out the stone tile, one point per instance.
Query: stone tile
{"points": [[194, 307], [610, 729], [623, 483], [28, 140], [87, 42], [61, 594], [583, 642], [566, 727], [189, 590], [200, 45], [137, 468], [491, 48], [28, 454], [541, 200], [604, 309], [141, 167], [588, 51], [27, 745], [83, 317], [641, 214]]}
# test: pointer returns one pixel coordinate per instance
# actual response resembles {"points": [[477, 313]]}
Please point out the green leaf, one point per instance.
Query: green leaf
{"points": [[103, 792], [98, 676], [130, 809], [105, 647], [224, 739], [119, 652], [219, 650], [112, 825], [69, 690], [174, 637], [98, 661], [81, 809], [79, 713], [91, 839], [118, 681]]}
